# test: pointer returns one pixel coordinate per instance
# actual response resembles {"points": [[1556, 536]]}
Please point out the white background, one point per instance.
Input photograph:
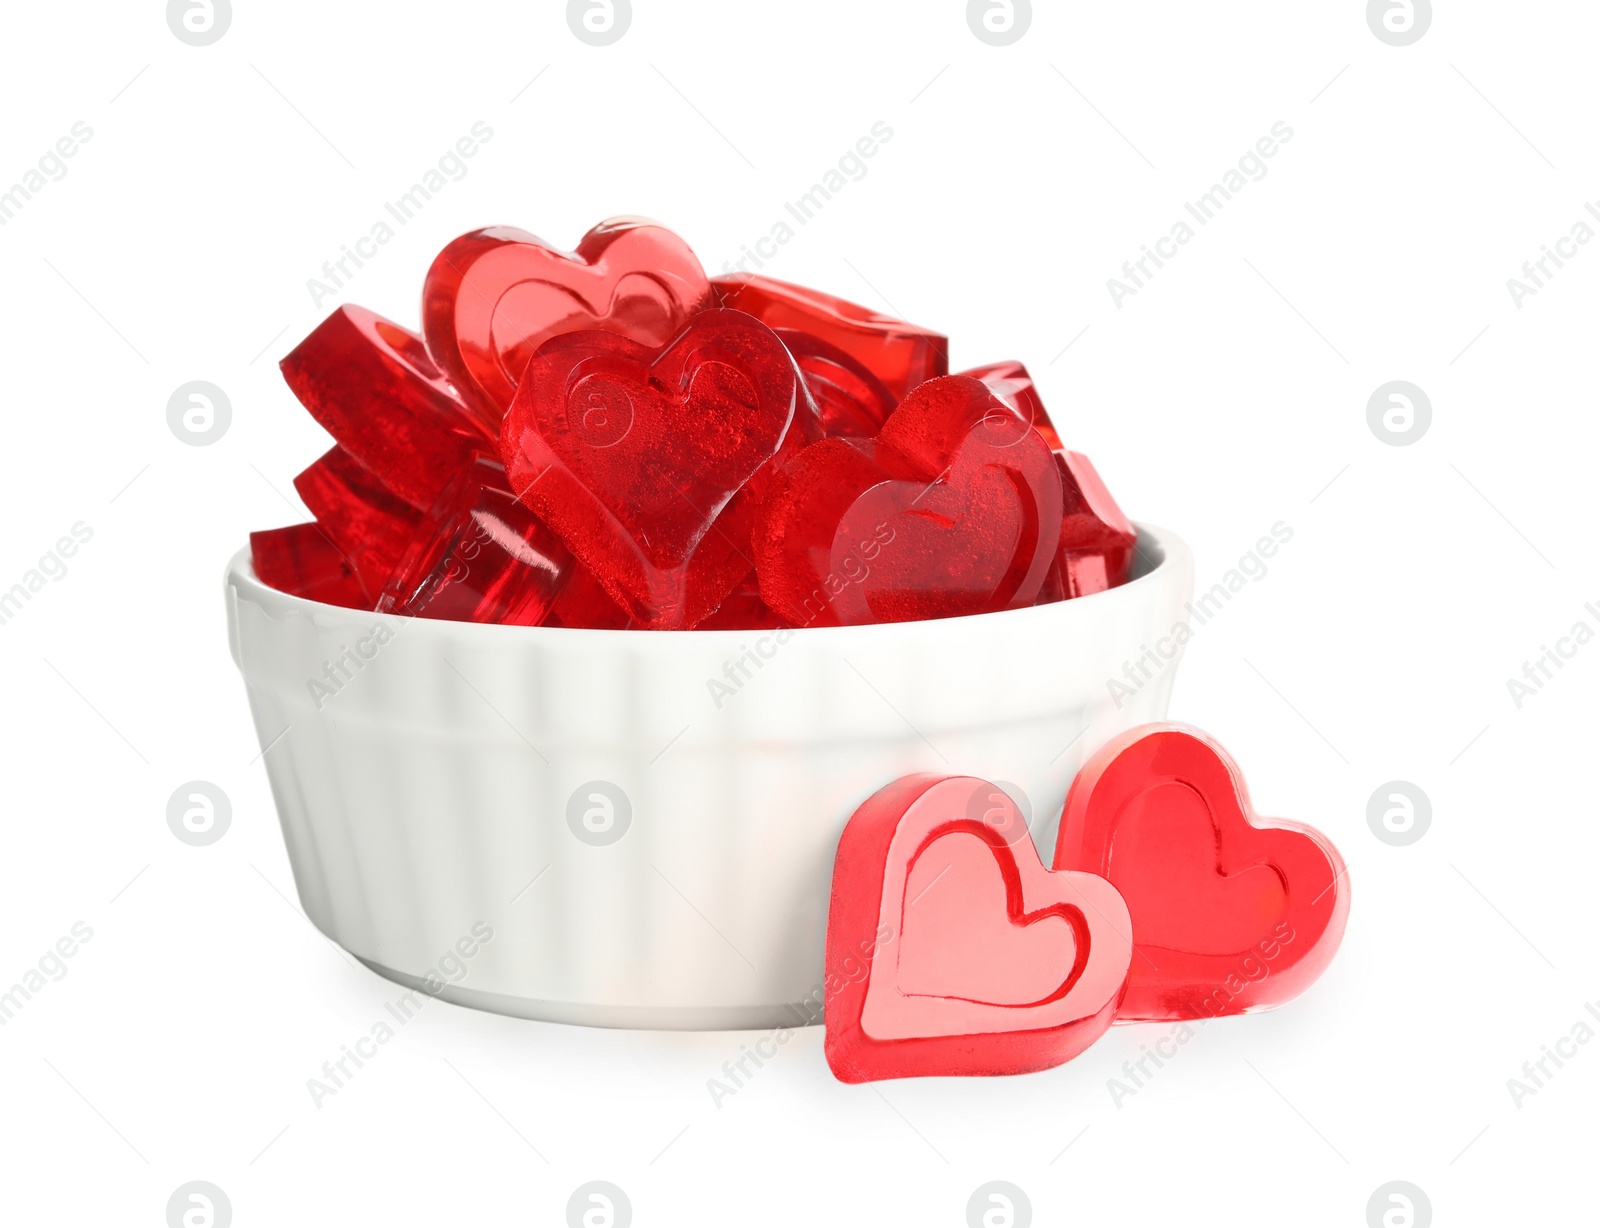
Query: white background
{"points": [[1227, 395]]}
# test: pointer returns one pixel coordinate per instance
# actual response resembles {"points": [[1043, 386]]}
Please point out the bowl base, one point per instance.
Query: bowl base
{"points": [[600, 1015]]}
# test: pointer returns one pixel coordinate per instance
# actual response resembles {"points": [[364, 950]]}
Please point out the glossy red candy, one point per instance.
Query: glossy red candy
{"points": [[1231, 912], [302, 561], [952, 951], [494, 296], [582, 602], [743, 610], [1012, 384], [480, 557], [956, 509], [1097, 540], [369, 523], [850, 400], [371, 384], [900, 354], [649, 464]]}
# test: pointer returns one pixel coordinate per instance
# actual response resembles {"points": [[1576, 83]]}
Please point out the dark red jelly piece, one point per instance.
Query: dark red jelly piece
{"points": [[481, 556], [901, 355], [372, 386], [368, 522], [850, 400], [302, 561], [1011, 382], [1097, 540]]}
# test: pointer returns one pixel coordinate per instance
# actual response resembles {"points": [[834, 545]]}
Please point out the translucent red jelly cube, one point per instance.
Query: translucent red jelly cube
{"points": [[481, 556], [302, 561]]}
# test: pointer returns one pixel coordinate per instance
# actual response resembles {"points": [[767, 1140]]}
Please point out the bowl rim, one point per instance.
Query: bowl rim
{"points": [[1172, 557]]}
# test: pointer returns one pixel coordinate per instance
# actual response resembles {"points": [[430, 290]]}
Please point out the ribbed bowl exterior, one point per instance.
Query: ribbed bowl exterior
{"points": [[423, 772]]}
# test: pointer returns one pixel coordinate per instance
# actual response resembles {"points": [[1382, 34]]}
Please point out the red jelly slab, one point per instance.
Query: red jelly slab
{"points": [[1231, 912], [1011, 382], [583, 602], [481, 557], [956, 509], [302, 561], [951, 950], [368, 522], [494, 296], [371, 384], [900, 354], [1097, 540], [850, 400], [743, 610], [648, 464]]}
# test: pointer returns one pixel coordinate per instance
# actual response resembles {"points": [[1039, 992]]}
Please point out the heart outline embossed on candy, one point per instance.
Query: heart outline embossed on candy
{"points": [[894, 1014], [649, 463], [956, 508], [1231, 912], [492, 297]]}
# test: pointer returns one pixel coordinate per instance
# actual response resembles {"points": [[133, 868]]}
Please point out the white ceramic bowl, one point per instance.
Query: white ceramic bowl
{"points": [[426, 784]]}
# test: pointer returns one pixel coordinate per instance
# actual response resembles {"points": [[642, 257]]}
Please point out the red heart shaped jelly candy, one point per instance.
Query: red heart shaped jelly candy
{"points": [[302, 561], [850, 400], [956, 509], [1011, 382], [648, 463], [900, 354], [481, 556], [371, 384], [952, 951], [1097, 540], [1231, 913], [368, 522], [494, 296]]}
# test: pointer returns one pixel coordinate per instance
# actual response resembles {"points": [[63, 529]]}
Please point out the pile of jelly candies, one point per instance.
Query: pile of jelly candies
{"points": [[609, 439]]}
